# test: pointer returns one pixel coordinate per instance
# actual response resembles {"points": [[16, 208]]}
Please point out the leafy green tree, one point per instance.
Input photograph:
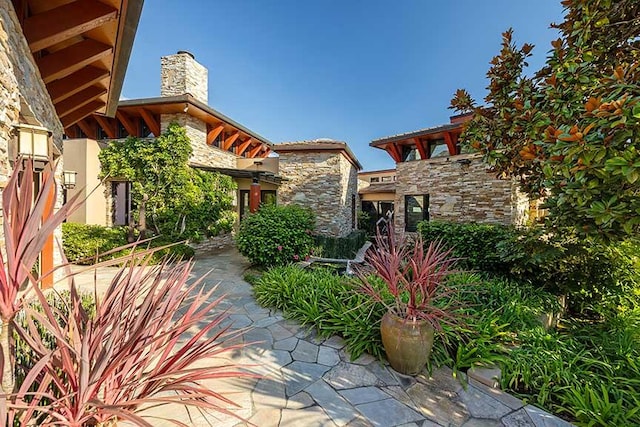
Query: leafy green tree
{"points": [[179, 201], [570, 132]]}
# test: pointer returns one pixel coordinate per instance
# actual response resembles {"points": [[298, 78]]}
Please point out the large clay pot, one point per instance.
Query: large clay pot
{"points": [[407, 343]]}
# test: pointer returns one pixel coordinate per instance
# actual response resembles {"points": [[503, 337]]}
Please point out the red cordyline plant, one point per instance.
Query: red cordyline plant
{"points": [[414, 278]]}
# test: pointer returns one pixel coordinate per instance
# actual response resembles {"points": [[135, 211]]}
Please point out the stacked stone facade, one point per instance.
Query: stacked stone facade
{"points": [[22, 92], [460, 189], [324, 181], [180, 74]]}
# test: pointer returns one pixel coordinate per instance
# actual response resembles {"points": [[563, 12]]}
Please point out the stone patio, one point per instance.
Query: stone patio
{"points": [[308, 381]]}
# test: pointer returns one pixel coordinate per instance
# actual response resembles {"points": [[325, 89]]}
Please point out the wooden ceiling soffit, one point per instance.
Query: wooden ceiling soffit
{"points": [[228, 143], [394, 152], [75, 82], [67, 61], [79, 100], [255, 151], [64, 22], [108, 125], [451, 145], [242, 147], [422, 149], [213, 133], [152, 123], [81, 113], [129, 126], [88, 130]]}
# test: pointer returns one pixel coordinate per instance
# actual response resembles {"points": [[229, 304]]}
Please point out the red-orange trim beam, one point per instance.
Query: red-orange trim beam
{"points": [[67, 61], [56, 25], [254, 151], [422, 149], [76, 82], [242, 147], [213, 133], [150, 120], [79, 100], [109, 126], [266, 152], [129, 126], [394, 152], [230, 140], [451, 145], [81, 113]]}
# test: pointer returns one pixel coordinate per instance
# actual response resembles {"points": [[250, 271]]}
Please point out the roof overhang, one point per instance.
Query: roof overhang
{"points": [[82, 50], [421, 140], [319, 145], [263, 176]]}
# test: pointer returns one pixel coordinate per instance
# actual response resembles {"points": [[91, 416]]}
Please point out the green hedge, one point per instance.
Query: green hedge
{"points": [[82, 242], [340, 247]]}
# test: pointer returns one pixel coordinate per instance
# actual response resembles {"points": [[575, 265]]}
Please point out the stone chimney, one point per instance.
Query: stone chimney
{"points": [[180, 74]]}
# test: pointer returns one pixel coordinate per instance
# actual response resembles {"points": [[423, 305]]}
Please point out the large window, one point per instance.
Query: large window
{"points": [[267, 197], [416, 209]]}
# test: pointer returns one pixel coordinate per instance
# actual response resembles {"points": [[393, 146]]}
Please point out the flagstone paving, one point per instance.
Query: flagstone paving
{"points": [[307, 381]]}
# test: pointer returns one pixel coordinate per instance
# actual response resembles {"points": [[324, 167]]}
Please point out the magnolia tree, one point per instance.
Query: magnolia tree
{"points": [[570, 132]]}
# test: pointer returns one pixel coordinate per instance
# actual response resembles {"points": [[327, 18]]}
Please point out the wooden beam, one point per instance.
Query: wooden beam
{"points": [[394, 152], [150, 120], [74, 83], [81, 113], [421, 148], [64, 22], [230, 140], [266, 152], [129, 126], [67, 61], [242, 147], [79, 100], [88, 130], [108, 125], [254, 151], [213, 133], [450, 144]]}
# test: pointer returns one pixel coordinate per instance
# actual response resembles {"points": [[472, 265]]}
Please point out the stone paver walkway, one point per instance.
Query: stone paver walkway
{"points": [[307, 381]]}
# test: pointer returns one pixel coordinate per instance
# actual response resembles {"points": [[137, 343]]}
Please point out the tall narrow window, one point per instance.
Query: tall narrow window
{"points": [[416, 209]]}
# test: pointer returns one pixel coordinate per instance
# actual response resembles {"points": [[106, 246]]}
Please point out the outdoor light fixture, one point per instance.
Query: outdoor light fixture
{"points": [[33, 142], [69, 179]]}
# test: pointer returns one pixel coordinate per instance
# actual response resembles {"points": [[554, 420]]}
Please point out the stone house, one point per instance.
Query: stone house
{"points": [[435, 181], [60, 61]]}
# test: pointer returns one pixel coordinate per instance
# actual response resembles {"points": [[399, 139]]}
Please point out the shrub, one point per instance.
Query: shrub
{"points": [[475, 244], [341, 247], [276, 235]]}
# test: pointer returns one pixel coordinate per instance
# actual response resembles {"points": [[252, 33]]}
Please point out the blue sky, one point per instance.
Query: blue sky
{"points": [[351, 70]]}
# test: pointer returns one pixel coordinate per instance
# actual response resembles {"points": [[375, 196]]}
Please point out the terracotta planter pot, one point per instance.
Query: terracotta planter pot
{"points": [[407, 344]]}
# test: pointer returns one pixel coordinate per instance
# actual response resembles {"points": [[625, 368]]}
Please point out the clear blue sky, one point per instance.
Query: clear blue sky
{"points": [[351, 70]]}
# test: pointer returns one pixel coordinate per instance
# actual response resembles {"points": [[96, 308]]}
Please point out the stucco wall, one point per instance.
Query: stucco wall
{"points": [[322, 181], [459, 191]]}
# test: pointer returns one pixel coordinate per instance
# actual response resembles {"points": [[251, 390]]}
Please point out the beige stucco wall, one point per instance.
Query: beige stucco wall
{"points": [[459, 192], [376, 197], [22, 91], [81, 155]]}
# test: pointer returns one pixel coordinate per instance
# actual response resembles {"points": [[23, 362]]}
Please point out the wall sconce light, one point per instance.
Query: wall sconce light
{"points": [[69, 179], [33, 141]]}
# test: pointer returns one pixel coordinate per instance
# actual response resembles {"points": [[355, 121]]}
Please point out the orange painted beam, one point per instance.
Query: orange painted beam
{"points": [[67, 61], [420, 145], [88, 130], [254, 151], [450, 144], [108, 125], [393, 150], [46, 256], [266, 152], [228, 143], [242, 147], [81, 113], [129, 126], [150, 120], [213, 133]]}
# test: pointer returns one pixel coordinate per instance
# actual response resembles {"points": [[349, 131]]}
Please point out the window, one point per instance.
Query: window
{"points": [[374, 179], [386, 179], [268, 197], [416, 209], [122, 132], [145, 131], [438, 148], [101, 134], [121, 203]]}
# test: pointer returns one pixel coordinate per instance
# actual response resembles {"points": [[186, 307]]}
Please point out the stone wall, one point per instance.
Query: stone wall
{"points": [[222, 241], [180, 74], [197, 132], [22, 91], [323, 182], [459, 191]]}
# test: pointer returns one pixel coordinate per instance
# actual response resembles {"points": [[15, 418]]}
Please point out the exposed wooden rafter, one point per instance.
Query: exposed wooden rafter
{"points": [[228, 143], [81, 113], [108, 125], [64, 22], [88, 130], [422, 149], [255, 151], [151, 122], [79, 100], [71, 59], [242, 147], [394, 152], [74, 83], [451, 145], [213, 133], [266, 152], [129, 125]]}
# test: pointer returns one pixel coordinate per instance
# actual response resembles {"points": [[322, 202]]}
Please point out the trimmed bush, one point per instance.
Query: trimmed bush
{"points": [[276, 235], [341, 247]]}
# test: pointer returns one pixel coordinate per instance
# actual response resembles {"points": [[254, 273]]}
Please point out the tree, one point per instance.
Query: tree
{"points": [[178, 200], [570, 132]]}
